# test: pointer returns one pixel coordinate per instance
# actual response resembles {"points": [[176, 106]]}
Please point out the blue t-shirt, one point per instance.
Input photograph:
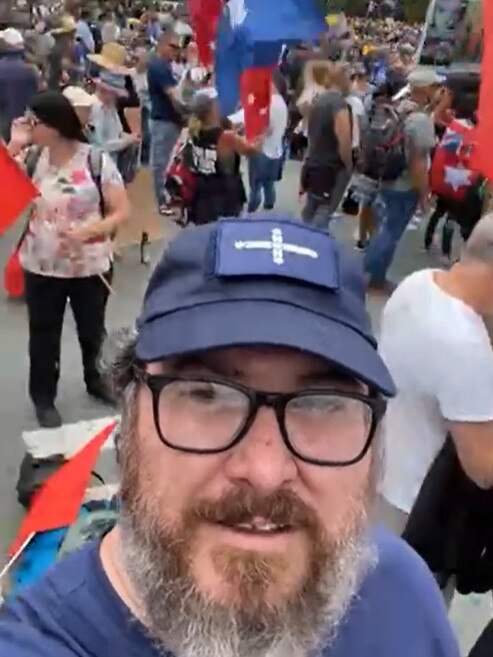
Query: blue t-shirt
{"points": [[160, 77], [74, 612]]}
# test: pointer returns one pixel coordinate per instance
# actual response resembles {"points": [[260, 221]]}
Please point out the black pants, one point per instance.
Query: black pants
{"points": [[46, 298], [443, 207]]}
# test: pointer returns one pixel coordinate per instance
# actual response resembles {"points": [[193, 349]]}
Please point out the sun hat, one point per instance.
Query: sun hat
{"points": [[111, 81], [12, 38], [66, 25], [112, 58], [268, 281], [78, 97]]}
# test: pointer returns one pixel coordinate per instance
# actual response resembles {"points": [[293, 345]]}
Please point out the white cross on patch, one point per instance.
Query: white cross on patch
{"points": [[277, 246]]}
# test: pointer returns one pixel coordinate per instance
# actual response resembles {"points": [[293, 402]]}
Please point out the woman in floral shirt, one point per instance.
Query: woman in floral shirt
{"points": [[67, 250]]}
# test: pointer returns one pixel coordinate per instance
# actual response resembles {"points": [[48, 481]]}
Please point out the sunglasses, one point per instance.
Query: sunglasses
{"points": [[31, 121]]}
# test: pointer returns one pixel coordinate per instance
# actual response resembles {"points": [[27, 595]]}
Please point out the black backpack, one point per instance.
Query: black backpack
{"points": [[383, 143]]}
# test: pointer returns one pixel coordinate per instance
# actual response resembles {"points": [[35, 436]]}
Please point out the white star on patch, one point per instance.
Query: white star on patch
{"points": [[457, 178], [251, 99]]}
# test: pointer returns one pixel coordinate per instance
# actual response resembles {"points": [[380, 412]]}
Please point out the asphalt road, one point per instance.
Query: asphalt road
{"points": [[16, 414]]}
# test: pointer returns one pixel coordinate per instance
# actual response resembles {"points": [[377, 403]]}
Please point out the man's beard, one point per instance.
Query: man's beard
{"points": [[181, 619]]}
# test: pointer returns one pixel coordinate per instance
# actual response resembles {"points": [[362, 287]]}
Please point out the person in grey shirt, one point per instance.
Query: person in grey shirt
{"points": [[328, 163], [398, 200]]}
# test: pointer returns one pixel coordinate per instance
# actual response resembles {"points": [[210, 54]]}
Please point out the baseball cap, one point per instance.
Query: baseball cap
{"points": [[266, 281], [424, 77], [12, 37]]}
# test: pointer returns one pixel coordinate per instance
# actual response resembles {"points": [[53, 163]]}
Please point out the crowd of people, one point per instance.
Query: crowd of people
{"points": [[258, 541]]}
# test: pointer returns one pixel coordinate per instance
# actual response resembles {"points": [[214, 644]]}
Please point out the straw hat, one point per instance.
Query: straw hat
{"points": [[112, 58], [66, 25], [12, 38], [78, 97]]}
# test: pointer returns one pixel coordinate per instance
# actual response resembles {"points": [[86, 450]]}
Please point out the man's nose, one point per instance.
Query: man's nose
{"points": [[262, 459]]}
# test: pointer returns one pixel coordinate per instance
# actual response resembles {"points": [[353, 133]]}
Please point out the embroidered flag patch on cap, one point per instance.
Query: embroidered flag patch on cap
{"points": [[254, 247]]}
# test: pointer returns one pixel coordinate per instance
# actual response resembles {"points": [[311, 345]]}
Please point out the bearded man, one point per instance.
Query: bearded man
{"points": [[251, 396]]}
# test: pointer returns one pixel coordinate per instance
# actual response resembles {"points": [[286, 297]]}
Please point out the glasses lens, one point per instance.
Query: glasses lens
{"points": [[201, 415], [328, 427]]}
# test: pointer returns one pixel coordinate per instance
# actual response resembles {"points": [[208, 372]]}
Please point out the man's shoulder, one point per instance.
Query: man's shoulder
{"points": [[419, 128], [400, 567], [18, 69], [399, 609], [410, 291], [158, 65], [419, 117], [39, 621]]}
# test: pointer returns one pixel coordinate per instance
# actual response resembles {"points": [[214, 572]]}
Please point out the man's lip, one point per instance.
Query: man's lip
{"points": [[255, 528]]}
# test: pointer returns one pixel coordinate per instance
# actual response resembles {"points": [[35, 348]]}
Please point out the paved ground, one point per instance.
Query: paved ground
{"points": [[16, 414]]}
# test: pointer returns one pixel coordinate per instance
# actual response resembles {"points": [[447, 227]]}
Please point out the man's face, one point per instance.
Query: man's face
{"points": [[252, 539], [170, 48]]}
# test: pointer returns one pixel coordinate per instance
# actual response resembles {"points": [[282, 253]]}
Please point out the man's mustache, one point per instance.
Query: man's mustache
{"points": [[243, 505]]}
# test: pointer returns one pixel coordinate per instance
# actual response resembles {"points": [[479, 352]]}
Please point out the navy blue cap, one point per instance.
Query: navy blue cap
{"points": [[261, 282]]}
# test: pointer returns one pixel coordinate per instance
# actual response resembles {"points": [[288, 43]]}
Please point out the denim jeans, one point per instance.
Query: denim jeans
{"points": [[393, 210], [164, 136], [263, 173]]}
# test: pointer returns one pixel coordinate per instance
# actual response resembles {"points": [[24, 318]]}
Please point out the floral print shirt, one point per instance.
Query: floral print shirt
{"points": [[69, 199]]}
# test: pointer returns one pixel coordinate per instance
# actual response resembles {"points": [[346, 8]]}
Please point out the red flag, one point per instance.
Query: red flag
{"points": [[256, 94], [485, 111], [204, 15], [13, 276], [16, 190], [58, 502]]}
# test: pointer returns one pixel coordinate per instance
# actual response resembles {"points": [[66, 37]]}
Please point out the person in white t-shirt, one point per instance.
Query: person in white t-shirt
{"points": [[264, 168], [435, 342]]}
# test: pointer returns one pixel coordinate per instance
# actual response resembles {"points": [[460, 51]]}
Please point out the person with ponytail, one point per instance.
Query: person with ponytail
{"points": [[215, 152]]}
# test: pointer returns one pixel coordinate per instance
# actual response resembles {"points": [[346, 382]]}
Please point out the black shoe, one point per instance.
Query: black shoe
{"points": [[48, 416], [144, 256], [98, 390]]}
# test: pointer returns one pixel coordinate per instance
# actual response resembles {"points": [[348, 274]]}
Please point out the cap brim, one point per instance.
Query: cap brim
{"points": [[247, 323]]}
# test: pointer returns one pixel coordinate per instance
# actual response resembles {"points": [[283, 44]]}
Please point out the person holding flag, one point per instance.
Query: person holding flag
{"points": [[66, 250]]}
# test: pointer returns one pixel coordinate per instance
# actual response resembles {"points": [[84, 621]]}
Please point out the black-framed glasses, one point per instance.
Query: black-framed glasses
{"points": [[323, 426]]}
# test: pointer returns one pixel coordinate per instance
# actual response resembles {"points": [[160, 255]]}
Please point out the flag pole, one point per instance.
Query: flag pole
{"points": [[107, 285], [16, 556]]}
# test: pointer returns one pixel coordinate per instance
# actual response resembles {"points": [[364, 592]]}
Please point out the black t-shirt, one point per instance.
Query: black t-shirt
{"points": [[323, 146]]}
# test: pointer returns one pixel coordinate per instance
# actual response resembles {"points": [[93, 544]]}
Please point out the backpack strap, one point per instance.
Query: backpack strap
{"points": [[31, 160], [95, 165]]}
